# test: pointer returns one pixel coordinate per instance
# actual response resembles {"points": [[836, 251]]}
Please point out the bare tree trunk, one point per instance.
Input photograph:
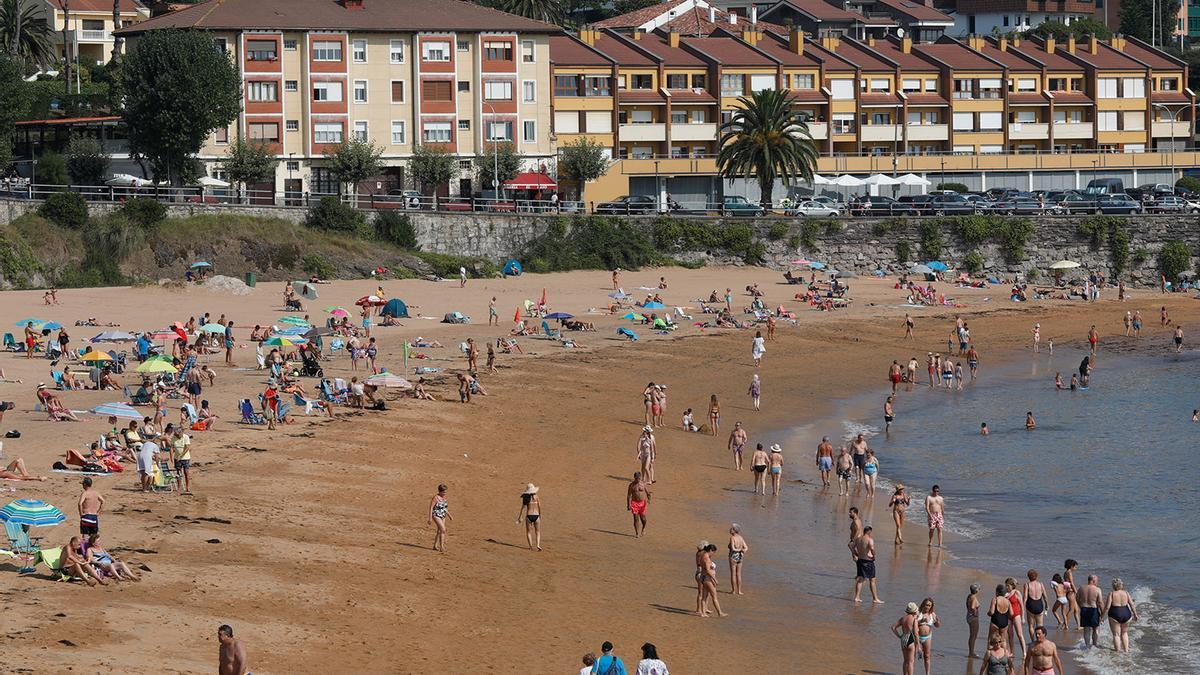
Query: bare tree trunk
{"points": [[117, 41]]}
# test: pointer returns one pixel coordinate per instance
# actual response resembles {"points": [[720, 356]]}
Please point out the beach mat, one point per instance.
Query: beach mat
{"points": [[76, 472]]}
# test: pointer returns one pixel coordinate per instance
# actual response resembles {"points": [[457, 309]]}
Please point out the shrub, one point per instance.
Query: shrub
{"points": [[52, 170], [66, 209], [832, 227], [1174, 258], [737, 238], [973, 230], [318, 266], [1118, 249], [778, 231], [1013, 234], [931, 240], [331, 214], [676, 235], [1140, 257], [396, 228], [891, 224], [86, 161], [1096, 229], [144, 211], [1189, 183], [447, 265], [599, 242], [957, 187], [903, 252], [793, 242], [808, 234], [1032, 274], [973, 262]]}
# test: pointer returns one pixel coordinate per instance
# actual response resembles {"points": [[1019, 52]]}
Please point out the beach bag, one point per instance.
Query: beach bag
{"points": [[92, 467]]}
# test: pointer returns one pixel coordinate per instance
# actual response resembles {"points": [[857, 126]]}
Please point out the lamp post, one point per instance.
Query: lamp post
{"points": [[657, 189], [1174, 119], [495, 157]]}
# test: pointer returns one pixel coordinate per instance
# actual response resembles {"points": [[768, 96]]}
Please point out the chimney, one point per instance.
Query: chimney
{"points": [[754, 15], [1002, 45], [732, 18], [673, 38], [830, 42], [1016, 42], [353, 4], [796, 40], [906, 45], [712, 14], [637, 34], [588, 36], [1118, 42], [1093, 45], [751, 36], [870, 40], [1071, 44], [976, 42], [1049, 45]]}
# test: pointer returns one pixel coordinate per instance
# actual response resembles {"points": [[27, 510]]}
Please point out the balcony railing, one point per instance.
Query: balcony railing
{"points": [[1025, 131], [94, 35], [644, 132]]}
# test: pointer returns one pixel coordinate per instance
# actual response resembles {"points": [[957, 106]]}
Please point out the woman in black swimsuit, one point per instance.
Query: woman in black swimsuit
{"points": [[998, 611], [1035, 603], [1121, 611], [531, 508]]}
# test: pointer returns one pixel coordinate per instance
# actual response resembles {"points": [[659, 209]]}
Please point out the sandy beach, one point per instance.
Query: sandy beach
{"points": [[312, 540]]}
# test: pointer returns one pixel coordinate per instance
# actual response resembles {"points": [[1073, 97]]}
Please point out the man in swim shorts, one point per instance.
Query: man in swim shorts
{"points": [[825, 460], [637, 498], [862, 550], [845, 466], [1042, 657], [859, 446], [90, 503], [935, 506], [1091, 599], [737, 443]]}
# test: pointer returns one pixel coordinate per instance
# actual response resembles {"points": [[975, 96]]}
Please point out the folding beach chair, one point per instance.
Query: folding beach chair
{"points": [[308, 404], [53, 558], [627, 333], [57, 376], [22, 545], [249, 415], [10, 344], [550, 333], [329, 396]]}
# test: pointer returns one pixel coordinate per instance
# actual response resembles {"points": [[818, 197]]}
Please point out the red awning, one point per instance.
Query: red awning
{"points": [[531, 181]]}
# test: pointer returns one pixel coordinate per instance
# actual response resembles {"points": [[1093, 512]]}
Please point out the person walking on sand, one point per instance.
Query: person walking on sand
{"points": [[729, 300], [608, 663], [1128, 323], [862, 550], [531, 508], [1178, 338], [229, 342], [366, 320], [646, 451], [899, 502], [737, 443], [972, 620], [637, 498], [935, 514], [758, 348], [776, 468], [439, 513], [1091, 600], [737, 552], [650, 663], [232, 656], [648, 402], [771, 327], [90, 504], [927, 620], [908, 327], [472, 356], [889, 413], [906, 630], [755, 392], [1035, 602], [493, 316], [825, 460], [714, 415], [997, 660], [1164, 319], [616, 279], [871, 468], [845, 467], [1120, 611], [1016, 624], [1042, 657], [759, 462]]}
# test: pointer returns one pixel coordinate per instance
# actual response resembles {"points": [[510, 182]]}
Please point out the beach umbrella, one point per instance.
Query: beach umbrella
{"points": [[517, 316], [369, 300], [389, 380], [121, 410], [200, 263], [817, 265], [618, 295], [212, 328], [653, 305], [29, 322], [96, 356], [832, 272], [113, 336], [1065, 265], [51, 325], [295, 321], [281, 341], [1186, 275], [937, 266], [634, 316], [921, 269], [305, 290], [339, 312], [560, 315], [293, 330], [156, 365], [32, 512], [801, 261]]}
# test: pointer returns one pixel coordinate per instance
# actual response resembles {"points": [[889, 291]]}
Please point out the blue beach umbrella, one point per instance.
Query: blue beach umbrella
{"points": [[29, 322], [31, 512], [51, 325], [653, 305], [200, 263], [817, 265], [937, 265], [560, 315], [120, 410]]}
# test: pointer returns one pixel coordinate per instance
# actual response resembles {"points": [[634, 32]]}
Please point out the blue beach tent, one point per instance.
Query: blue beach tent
{"points": [[512, 268], [395, 308]]}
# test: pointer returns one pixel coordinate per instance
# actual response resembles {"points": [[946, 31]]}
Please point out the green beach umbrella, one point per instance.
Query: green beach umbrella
{"points": [[157, 366], [294, 321], [278, 341], [212, 328]]}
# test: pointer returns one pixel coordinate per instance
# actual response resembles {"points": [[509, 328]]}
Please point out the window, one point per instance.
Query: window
{"points": [[1168, 84], [464, 125], [529, 91], [396, 51], [324, 182], [761, 82], [597, 86], [360, 132], [881, 118], [841, 90], [1133, 121], [989, 88], [1068, 116], [991, 149], [641, 117], [500, 131], [435, 51], [292, 125], [1133, 87], [327, 91], [222, 47], [679, 117], [1106, 121], [436, 132], [261, 50], [527, 51], [497, 51], [437, 90], [291, 85], [843, 123], [398, 133], [262, 91], [802, 81], [735, 85], [699, 81], [464, 85], [327, 132], [931, 85], [397, 91], [530, 131], [360, 91], [677, 81], [358, 51], [964, 121], [293, 166], [465, 165], [289, 45], [698, 117], [964, 149], [567, 122], [266, 132], [1106, 87], [1025, 117], [990, 121], [910, 86], [963, 88], [221, 136], [1026, 85], [463, 45], [1057, 84], [567, 85], [641, 81], [881, 85], [498, 91], [327, 50]]}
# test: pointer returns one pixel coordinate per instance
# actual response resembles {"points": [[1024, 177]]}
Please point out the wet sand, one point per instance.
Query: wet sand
{"points": [[324, 564]]}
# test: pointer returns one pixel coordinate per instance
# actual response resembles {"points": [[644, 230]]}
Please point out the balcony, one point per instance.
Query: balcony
{"points": [[1064, 130], [818, 130], [643, 132], [1028, 131], [1170, 129], [704, 131], [928, 132], [93, 35], [882, 132]]}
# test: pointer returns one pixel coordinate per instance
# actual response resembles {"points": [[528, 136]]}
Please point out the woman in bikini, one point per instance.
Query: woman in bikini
{"points": [[759, 462], [906, 630], [755, 391], [658, 406], [737, 551], [714, 415], [646, 452], [927, 620], [776, 459], [706, 579], [439, 513], [1060, 600], [1072, 608], [95, 555], [531, 508], [900, 502], [1016, 634], [998, 612], [648, 402], [1035, 603], [1120, 610], [972, 619]]}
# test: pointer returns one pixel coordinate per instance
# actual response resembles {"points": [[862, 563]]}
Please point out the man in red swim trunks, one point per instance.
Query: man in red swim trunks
{"points": [[636, 499], [894, 374]]}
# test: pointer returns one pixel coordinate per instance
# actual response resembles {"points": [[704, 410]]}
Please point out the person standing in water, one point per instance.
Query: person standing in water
{"points": [[935, 513], [776, 468], [759, 463], [755, 392], [1091, 600], [1178, 338], [531, 508], [439, 513], [1035, 602], [1120, 611], [997, 660], [862, 550], [889, 413], [1042, 657], [737, 552], [845, 467], [972, 620], [870, 472], [894, 375], [1093, 338], [973, 362], [825, 460], [899, 502], [737, 443], [637, 498], [1037, 337]]}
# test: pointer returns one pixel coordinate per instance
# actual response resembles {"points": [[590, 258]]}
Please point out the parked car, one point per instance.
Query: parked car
{"points": [[952, 205], [1015, 205], [814, 209], [835, 202], [881, 206], [1190, 195], [738, 205], [1001, 193], [919, 202], [629, 205], [1075, 202], [1119, 205], [1104, 186], [1169, 204]]}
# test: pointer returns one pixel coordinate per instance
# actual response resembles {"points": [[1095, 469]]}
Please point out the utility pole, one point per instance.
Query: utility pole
{"points": [[66, 6]]}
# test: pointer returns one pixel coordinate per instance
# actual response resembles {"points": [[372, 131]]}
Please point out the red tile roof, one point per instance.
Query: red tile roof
{"points": [[376, 15], [1169, 97], [671, 56], [638, 16], [618, 49], [862, 55], [641, 96], [1156, 59], [728, 51], [777, 47], [957, 55], [70, 120], [1013, 59], [100, 6], [1028, 98], [880, 99], [1071, 98], [1054, 62], [1108, 58], [807, 96], [690, 96], [926, 99], [916, 11], [891, 49], [693, 21], [567, 51]]}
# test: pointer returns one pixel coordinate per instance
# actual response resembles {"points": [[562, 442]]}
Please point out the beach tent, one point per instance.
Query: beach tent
{"points": [[653, 305], [305, 290], [395, 308], [512, 268], [455, 317]]}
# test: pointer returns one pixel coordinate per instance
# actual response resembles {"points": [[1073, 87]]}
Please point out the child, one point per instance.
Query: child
{"points": [[1074, 381], [1029, 423], [688, 424], [1060, 600], [958, 374], [1058, 383], [983, 430]]}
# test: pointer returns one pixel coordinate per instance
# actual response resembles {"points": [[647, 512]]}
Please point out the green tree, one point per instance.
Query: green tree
{"points": [[503, 158], [581, 161], [354, 161], [1137, 20], [550, 11], [249, 162], [767, 140], [52, 170], [431, 166], [87, 161], [627, 6], [1174, 259], [1082, 29], [178, 89], [24, 33], [13, 104], [65, 209]]}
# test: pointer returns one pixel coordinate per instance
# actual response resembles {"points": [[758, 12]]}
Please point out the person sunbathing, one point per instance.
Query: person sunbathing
{"points": [[507, 345], [95, 555], [572, 324], [108, 381], [389, 320], [76, 566], [425, 344], [420, 393], [16, 471]]}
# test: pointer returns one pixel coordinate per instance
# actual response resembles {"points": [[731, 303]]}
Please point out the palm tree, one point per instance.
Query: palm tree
{"points": [[117, 39], [766, 139], [24, 33], [550, 11]]}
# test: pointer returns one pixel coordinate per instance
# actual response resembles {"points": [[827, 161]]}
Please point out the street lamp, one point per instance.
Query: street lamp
{"points": [[495, 156], [657, 189], [1174, 119]]}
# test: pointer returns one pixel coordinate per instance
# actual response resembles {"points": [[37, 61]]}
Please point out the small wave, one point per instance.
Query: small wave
{"points": [[1161, 641]]}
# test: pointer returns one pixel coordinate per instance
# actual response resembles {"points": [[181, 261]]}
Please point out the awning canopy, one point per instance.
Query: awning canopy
{"points": [[531, 181]]}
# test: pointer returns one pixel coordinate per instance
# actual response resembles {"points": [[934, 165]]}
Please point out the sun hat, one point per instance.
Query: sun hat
{"points": [[41, 385], [530, 489], [648, 428], [911, 608], [703, 544], [776, 448]]}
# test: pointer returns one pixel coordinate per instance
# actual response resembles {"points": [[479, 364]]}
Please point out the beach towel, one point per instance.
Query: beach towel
{"points": [[627, 333], [75, 472]]}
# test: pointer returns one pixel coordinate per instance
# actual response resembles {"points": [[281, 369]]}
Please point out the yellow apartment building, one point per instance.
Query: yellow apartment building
{"points": [[89, 29]]}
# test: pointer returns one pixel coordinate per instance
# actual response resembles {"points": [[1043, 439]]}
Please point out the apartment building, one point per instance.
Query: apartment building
{"points": [[984, 17], [88, 30], [400, 73]]}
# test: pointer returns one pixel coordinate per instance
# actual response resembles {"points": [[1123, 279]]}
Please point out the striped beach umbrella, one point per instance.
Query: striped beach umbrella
{"points": [[121, 410], [212, 328], [280, 341], [389, 380], [294, 321], [31, 512]]}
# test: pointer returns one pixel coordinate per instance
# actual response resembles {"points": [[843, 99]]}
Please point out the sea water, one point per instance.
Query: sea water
{"points": [[1108, 478]]}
